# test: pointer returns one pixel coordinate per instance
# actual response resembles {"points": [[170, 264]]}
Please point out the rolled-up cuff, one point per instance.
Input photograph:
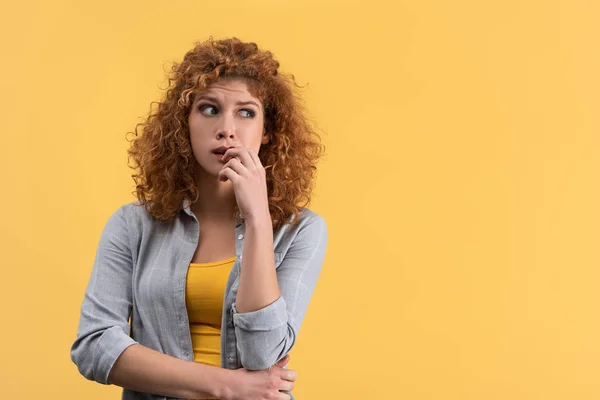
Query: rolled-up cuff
{"points": [[113, 342], [268, 318]]}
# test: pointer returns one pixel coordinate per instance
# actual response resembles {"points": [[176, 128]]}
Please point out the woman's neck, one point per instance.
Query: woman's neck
{"points": [[216, 200]]}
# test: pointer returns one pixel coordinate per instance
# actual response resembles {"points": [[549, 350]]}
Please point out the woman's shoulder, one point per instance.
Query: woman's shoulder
{"points": [[133, 209], [133, 215], [307, 215], [307, 219], [308, 233]]}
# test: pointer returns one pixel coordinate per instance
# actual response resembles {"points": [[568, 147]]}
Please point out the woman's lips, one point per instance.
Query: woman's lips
{"points": [[219, 156]]}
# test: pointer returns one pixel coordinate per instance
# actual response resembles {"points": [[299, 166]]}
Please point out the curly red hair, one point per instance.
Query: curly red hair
{"points": [[162, 154]]}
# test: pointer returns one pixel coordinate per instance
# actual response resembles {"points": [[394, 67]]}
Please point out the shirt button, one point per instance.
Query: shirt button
{"points": [[240, 236]]}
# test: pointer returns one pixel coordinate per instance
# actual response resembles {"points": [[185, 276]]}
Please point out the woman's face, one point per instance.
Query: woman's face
{"points": [[225, 114]]}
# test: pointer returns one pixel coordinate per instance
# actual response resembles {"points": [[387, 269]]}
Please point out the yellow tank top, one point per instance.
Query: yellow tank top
{"points": [[205, 287]]}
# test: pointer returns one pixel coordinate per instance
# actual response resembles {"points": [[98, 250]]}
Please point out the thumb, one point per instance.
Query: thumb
{"points": [[283, 361]]}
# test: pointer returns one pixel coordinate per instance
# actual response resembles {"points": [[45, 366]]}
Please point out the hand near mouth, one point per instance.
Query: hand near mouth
{"points": [[247, 174]]}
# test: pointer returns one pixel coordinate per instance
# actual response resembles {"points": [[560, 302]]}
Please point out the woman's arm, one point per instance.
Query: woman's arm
{"points": [[270, 304], [258, 285], [103, 345], [267, 315], [143, 369], [146, 370]]}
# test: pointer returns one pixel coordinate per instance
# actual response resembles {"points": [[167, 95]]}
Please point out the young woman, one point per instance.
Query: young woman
{"points": [[214, 266]]}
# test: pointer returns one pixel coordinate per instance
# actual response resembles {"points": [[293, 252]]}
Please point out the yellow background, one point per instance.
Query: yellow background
{"points": [[460, 185]]}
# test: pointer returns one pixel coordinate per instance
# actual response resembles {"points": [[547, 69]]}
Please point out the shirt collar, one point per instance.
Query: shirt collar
{"points": [[186, 207]]}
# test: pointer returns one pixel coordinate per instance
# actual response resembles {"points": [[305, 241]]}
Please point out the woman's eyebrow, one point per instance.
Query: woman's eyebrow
{"points": [[215, 100], [243, 103], [209, 98]]}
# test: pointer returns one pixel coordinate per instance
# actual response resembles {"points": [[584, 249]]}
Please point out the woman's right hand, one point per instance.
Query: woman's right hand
{"points": [[262, 385]]}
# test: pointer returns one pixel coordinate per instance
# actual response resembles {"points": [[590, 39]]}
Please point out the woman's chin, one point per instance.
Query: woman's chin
{"points": [[210, 173]]}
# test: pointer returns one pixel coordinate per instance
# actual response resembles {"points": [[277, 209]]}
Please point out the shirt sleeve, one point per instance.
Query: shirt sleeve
{"points": [[265, 336], [103, 332]]}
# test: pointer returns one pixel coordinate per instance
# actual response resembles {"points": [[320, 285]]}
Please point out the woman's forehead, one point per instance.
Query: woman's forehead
{"points": [[231, 88]]}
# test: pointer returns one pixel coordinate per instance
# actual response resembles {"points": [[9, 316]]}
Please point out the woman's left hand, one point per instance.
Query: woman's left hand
{"points": [[247, 174]]}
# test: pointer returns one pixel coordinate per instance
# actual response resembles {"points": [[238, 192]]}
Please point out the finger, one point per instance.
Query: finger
{"points": [[286, 386], [242, 154], [229, 154], [289, 375], [283, 396], [283, 361], [248, 160], [237, 166], [256, 159], [228, 173]]}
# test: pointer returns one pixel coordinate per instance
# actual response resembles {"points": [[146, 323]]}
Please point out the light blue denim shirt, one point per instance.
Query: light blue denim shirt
{"points": [[140, 271]]}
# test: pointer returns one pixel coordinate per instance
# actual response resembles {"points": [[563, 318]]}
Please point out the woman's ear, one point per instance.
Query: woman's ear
{"points": [[265, 138]]}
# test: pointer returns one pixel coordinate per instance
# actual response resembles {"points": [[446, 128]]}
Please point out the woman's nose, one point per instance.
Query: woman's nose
{"points": [[222, 135], [226, 128]]}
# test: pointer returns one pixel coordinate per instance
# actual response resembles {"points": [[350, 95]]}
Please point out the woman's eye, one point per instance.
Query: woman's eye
{"points": [[247, 113], [207, 109]]}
